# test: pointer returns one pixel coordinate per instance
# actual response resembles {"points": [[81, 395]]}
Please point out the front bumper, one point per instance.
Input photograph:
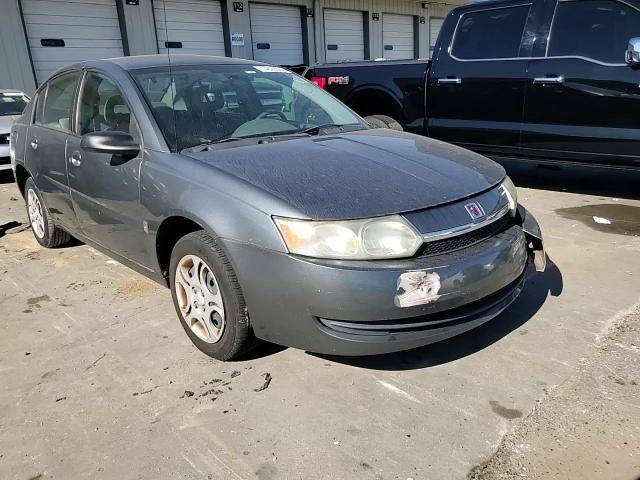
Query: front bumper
{"points": [[353, 308], [5, 158]]}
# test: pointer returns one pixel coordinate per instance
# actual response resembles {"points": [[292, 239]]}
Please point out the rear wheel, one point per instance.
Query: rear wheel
{"points": [[208, 297], [42, 226]]}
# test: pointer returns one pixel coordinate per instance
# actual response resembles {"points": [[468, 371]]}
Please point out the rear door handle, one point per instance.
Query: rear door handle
{"points": [[34, 143], [449, 81], [76, 158], [548, 80]]}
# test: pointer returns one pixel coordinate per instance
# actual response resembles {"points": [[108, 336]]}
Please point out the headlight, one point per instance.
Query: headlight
{"points": [[509, 190], [377, 238]]}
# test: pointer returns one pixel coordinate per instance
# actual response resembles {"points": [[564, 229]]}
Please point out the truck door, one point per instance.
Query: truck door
{"points": [[476, 86], [582, 98]]}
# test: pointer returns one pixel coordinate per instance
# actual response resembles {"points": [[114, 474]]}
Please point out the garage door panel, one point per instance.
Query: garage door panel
{"points": [[71, 10], [278, 27], [344, 29], [70, 21], [195, 24], [81, 32], [90, 30], [398, 36]]}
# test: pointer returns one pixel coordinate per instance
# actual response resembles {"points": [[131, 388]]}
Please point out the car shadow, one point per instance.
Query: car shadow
{"points": [[537, 288], [574, 178]]}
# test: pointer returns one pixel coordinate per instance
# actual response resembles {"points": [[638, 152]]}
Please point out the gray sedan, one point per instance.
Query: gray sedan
{"points": [[270, 209]]}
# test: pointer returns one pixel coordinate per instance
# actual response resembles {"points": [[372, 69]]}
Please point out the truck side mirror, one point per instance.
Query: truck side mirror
{"points": [[633, 52]]}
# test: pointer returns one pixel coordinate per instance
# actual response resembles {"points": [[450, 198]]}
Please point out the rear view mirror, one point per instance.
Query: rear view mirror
{"points": [[633, 52], [114, 143]]}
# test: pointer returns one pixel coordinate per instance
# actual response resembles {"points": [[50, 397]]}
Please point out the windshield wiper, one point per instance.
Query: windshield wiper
{"points": [[315, 130]]}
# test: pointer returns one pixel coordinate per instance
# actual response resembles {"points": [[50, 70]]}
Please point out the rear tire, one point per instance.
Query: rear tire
{"points": [[383, 121], [208, 298], [44, 229]]}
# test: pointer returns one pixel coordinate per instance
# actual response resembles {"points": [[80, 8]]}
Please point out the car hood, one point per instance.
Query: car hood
{"points": [[360, 174], [6, 121]]}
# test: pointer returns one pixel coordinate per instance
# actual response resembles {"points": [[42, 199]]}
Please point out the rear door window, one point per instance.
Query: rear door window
{"points": [[596, 29], [58, 103], [490, 34]]}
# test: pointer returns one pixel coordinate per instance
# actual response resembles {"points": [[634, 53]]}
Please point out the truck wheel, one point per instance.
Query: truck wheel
{"points": [[208, 298], [383, 121], [42, 226]]}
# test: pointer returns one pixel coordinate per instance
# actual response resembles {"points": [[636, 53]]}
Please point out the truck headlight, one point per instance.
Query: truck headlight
{"points": [[510, 191], [369, 239]]}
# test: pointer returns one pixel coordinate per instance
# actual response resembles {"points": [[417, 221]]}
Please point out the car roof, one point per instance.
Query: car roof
{"points": [[162, 60], [10, 90]]}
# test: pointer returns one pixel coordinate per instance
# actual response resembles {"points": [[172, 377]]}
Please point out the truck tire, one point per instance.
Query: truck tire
{"points": [[383, 121], [208, 298]]}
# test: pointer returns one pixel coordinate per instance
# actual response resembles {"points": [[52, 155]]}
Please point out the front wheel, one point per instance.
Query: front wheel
{"points": [[46, 232], [208, 297]]}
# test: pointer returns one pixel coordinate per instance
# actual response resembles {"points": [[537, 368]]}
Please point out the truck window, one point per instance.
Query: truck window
{"points": [[490, 34], [596, 29]]}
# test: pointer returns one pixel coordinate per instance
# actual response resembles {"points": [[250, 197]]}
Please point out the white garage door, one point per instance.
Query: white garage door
{"points": [[189, 26], [343, 35], [276, 34], [65, 32], [435, 24], [398, 40]]}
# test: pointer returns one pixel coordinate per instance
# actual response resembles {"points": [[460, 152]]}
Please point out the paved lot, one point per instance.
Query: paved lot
{"points": [[94, 365]]}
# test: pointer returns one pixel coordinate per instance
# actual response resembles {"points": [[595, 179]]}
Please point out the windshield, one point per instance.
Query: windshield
{"points": [[204, 104], [12, 104]]}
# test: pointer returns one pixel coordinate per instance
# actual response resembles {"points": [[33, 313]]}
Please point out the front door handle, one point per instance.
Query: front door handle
{"points": [[76, 159], [449, 81], [34, 143], [548, 80]]}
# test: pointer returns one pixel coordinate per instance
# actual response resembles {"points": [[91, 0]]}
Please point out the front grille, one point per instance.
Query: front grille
{"points": [[4, 139], [447, 245], [5, 160]]}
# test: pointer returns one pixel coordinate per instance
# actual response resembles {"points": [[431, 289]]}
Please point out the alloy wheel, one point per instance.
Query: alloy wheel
{"points": [[36, 216], [200, 298]]}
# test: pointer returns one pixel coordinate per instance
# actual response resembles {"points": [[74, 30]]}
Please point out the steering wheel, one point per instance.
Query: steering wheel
{"points": [[268, 114]]}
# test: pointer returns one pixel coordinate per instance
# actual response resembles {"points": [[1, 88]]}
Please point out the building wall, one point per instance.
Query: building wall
{"points": [[139, 31], [15, 63]]}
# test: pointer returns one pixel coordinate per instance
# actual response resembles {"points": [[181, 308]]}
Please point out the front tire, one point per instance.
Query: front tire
{"points": [[42, 226], [208, 298]]}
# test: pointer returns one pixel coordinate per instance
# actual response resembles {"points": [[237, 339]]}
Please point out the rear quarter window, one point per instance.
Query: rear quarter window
{"points": [[490, 34]]}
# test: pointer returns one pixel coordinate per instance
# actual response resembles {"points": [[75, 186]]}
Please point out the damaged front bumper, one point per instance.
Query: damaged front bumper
{"points": [[372, 307], [533, 234]]}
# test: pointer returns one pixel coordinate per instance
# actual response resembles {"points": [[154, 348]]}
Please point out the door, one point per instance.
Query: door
{"points": [[343, 35], [276, 34], [189, 26], [435, 24], [105, 188], [71, 31], [398, 37], [583, 100], [46, 146], [476, 85]]}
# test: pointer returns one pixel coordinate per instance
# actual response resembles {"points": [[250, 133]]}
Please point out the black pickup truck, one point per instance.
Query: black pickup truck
{"points": [[528, 79]]}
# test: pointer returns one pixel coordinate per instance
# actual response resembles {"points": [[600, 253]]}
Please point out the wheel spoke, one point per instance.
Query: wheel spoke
{"points": [[200, 298]]}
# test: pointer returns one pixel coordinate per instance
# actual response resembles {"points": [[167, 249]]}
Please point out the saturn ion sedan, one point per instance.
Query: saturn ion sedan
{"points": [[270, 209]]}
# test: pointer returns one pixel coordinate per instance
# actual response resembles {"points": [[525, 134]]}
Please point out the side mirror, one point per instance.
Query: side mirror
{"points": [[633, 52], [114, 143]]}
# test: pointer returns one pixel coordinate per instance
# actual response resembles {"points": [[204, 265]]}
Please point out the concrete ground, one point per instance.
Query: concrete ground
{"points": [[97, 372]]}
